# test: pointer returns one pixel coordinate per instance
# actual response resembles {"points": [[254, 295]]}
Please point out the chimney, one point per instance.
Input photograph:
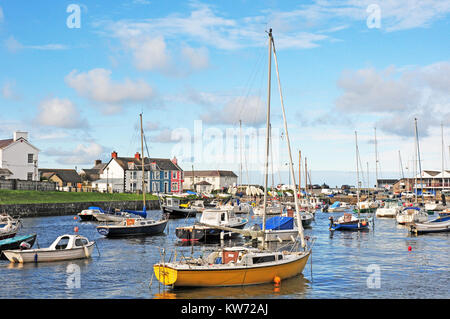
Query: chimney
{"points": [[137, 156], [97, 162], [174, 160], [114, 154], [18, 135]]}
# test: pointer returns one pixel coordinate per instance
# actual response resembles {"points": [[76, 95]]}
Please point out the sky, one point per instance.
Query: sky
{"points": [[76, 76]]}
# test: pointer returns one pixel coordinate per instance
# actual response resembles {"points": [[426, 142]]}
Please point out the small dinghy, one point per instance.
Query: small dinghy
{"points": [[65, 247], [16, 243], [349, 222], [8, 226], [438, 225]]}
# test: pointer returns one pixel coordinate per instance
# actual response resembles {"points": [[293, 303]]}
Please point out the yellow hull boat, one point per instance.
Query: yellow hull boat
{"points": [[232, 267]]}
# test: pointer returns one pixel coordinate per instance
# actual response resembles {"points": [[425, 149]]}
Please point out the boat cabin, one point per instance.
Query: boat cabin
{"points": [[217, 217], [69, 242], [243, 256], [172, 202]]}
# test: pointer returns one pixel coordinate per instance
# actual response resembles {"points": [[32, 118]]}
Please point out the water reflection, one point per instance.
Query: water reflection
{"points": [[296, 286]]}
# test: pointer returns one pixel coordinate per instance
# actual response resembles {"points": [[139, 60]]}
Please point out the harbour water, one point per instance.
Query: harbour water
{"points": [[373, 264]]}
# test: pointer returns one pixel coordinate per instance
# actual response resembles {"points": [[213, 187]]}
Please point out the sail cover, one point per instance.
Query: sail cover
{"points": [[137, 212], [279, 223], [335, 205]]}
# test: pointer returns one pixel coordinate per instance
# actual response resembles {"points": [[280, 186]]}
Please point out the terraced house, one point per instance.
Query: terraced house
{"points": [[124, 174]]}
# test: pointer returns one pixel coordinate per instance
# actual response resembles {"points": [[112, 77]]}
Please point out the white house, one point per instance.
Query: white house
{"points": [[20, 157], [217, 179]]}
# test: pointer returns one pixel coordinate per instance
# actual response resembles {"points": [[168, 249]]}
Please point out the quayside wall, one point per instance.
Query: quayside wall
{"points": [[61, 209]]}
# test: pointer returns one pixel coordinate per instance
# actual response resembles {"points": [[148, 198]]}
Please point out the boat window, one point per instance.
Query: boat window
{"points": [[63, 242], [280, 257], [222, 217], [80, 242], [263, 259]]}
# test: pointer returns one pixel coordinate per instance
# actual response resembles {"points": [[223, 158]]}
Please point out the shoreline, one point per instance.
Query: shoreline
{"points": [[62, 209]]}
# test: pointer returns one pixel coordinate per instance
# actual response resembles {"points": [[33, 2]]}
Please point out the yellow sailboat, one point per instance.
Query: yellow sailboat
{"points": [[237, 266], [233, 266]]}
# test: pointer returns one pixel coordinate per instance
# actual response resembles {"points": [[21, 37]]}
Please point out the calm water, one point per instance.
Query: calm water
{"points": [[341, 265]]}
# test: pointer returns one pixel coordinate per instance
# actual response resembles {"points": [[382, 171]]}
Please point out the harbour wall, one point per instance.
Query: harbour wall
{"points": [[61, 209]]}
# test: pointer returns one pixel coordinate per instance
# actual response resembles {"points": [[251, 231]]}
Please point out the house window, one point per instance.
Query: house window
{"points": [[30, 158], [166, 175], [174, 187], [30, 176], [174, 174], [156, 175]]}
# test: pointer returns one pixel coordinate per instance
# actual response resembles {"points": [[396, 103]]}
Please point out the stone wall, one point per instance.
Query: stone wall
{"points": [[60, 209], [17, 184]]}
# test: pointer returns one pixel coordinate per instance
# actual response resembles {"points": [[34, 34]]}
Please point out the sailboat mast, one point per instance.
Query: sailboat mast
{"points": [[401, 165], [357, 171], [300, 173], [442, 139], [143, 161], [376, 161], [291, 165], [266, 171], [306, 178], [418, 156], [240, 148]]}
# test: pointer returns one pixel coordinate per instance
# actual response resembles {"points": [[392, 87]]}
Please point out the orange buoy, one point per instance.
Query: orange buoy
{"points": [[75, 217], [277, 280], [75, 229]]}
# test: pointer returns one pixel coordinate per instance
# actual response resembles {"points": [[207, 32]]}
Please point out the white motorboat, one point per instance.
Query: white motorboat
{"points": [[339, 207], [274, 208], [411, 214], [390, 209], [8, 226], [65, 247], [434, 206]]}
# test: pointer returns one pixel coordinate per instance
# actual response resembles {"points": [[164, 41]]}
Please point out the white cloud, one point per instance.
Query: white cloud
{"points": [[197, 57], [150, 53], [394, 96], [251, 110], [13, 45], [57, 112], [9, 92], [96, 85], [81, 154]]}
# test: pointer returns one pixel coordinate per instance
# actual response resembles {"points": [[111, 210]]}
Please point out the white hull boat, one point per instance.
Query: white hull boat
{"points": [[390, 209], [65, 247], [412, 215]]}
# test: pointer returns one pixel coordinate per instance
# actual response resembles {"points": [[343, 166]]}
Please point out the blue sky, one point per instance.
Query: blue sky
{"points": [[79, 91]]}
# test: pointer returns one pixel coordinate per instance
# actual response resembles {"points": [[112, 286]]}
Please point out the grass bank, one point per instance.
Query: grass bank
{"points": [[36, 197]]}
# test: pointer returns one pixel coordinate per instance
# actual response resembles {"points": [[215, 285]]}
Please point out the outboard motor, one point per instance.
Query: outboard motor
{"points": [[24, 245]]}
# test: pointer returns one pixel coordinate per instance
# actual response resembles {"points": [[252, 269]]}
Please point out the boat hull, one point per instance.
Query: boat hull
{"points": [[229, 276], [422, 228], [174, 212], [14, 243], [135, 230], [350, 226], [43, 255]]}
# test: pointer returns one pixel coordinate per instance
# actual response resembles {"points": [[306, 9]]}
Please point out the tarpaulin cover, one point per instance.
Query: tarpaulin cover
{"points": [[279, 223]]}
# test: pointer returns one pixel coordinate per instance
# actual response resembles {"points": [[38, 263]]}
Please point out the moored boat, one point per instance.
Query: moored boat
{"points": [[390, 209], [349, 222], [16, 242], [173, 208], [411, 214], [65, 247], [234, 266], [205, 228], [8, 226], [133, 227]]}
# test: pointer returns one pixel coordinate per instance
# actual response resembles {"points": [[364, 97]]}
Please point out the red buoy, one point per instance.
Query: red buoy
{"points": [[409, 248], [75, 229]]}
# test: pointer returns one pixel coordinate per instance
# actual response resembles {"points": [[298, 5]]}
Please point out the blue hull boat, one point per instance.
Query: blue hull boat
{"points": [[349, 222]]}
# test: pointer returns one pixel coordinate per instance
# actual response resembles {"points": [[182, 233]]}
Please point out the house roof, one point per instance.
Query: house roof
{"points": [[66, 175], [4, 143], [210, 173], [203, 183], [164, 164], [5, 172]]}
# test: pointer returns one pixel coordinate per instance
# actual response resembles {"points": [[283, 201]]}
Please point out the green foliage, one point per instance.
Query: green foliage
{"points": [[31, 197]]}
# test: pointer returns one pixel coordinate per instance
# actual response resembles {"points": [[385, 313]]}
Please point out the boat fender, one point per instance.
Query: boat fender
{"points": [[35, 258]]}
